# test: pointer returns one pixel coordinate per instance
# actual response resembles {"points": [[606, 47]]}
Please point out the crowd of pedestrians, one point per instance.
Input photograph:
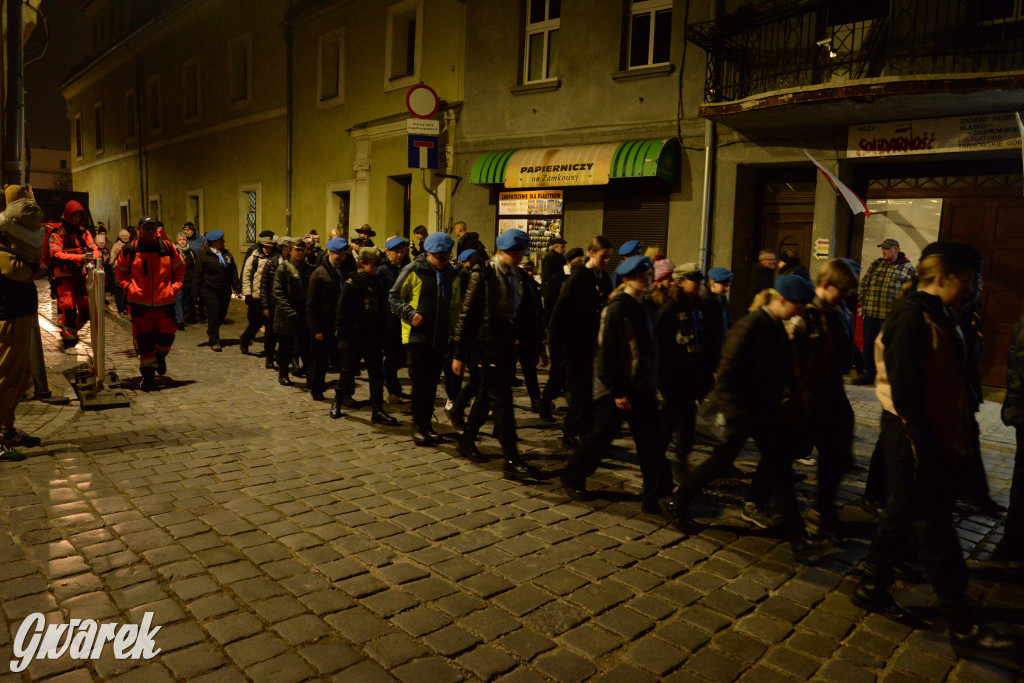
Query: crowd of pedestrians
{"points": [[651, 344]]}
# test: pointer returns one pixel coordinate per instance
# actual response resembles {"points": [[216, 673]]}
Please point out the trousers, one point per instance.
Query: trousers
{"points": [[216, 304], [394, 358], [255, 320], [872, 326], [73, 305], [494, 397], [1013, 526], [425, 363], [831, 433], [323, 354], [679, 419], [153, 329], [351, 354]]}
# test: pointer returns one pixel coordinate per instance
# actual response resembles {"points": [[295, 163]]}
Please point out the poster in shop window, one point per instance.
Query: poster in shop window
{"points": [[539, 213]]}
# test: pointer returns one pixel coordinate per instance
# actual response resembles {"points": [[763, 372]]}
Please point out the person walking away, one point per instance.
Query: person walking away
{"points": [[821, 354], [924, 388], [22, 237], [184, 307], [530, 350], [877, 291], [395, 254], [625, 390], [70, 247], [684, 375], [1011, 548], [266, 290], [123, 237], [151, 272], [291, 281], [216, 277], [501, 309], [252, 274], [325, 285], [753, 388], [717, 316], [427, 297], [361, 325], [551, 275], [572, 335], [628, 248]]}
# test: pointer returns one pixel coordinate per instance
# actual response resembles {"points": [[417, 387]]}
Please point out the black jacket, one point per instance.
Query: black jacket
{"points": [[683, 369], [362, 310], [322, 299], [626, 360], [479, 325], [552, 275], [822, 351], [212, 276], [755, 371], [1013, 407], [576, 317], [266, 283], [717, 322]]}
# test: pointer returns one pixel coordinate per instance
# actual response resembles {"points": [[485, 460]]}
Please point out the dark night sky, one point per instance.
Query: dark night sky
{"points": [[45, 111]]}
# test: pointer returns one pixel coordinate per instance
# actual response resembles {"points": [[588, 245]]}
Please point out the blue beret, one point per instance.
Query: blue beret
{"points": [[438, 243], [795, 288], [337, 244], [629, 247], [466, 254], [215, 235], [513, 240], [720, 275], [394, 243], [853, 265], [634, 265]]}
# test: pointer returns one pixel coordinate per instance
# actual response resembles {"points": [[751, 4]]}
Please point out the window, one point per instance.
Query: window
{"points": [[330, 75], [124, 215], [194, 208], [541, 44], [97, 117], [1000, 11], [402, 54], [249, 214], [131, 127], [154, 206], [190, 90], [240, 70], [650, 32], [78, 136], [156, 119]]}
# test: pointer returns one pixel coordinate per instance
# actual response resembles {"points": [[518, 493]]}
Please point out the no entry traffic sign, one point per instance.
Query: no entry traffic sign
{"points": [[422, 101]]}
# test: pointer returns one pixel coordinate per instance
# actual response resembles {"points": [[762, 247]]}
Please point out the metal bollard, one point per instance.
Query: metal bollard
{"points": [[96, 286]]}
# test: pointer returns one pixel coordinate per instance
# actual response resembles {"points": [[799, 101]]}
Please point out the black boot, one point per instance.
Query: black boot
{"points": [[872, 594], [243, 346], [544, 410], [466, 447], [981, 638], [269, 365], [161, 363], [284, 381], [379, 417], [420, 437], [516, 467], [336, 410], [148, 378]]}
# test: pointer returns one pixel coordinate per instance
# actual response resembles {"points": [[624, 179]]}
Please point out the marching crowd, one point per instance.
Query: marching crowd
{"points": [[652, 344]]}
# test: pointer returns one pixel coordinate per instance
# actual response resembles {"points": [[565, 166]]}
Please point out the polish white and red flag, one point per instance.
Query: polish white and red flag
{"points": [[857, 204]]}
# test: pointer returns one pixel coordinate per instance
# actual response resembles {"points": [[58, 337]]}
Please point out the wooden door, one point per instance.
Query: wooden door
{"points": [[787, 221], [995, 227]]}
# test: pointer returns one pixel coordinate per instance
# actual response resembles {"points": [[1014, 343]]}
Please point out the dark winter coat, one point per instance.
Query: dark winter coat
{"points": [[755, 371], [626, 360], [291, 282], [1013, 407], [683, 369], [576, 317], [822, 351], [480, 326], [325, 285], [211, 276], [266, 284], [717, 323], [362, 310], [434, 294]]}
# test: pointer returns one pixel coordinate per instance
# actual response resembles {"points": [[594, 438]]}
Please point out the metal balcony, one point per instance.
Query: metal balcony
{"points": [[791, 44]]}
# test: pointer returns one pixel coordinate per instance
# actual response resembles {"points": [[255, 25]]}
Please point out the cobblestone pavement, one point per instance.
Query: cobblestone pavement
{"points": [[274, 544]]}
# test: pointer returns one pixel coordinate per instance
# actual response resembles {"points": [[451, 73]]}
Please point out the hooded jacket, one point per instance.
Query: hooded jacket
{"points": [[252, 273], [434, 294], [881, 283], [683, 368], [150, 273], [70, 245], [626, 360], [18, 295]]}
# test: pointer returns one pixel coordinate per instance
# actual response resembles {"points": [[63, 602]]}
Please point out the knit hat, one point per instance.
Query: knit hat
{"points": [[438, 243], [663, 269], [13, 193], [795, 288], [687, 271], [720, 275], [633, 266]]}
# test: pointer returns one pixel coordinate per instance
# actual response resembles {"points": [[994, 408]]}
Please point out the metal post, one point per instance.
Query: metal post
{"points": [[13, 130], [96, 286], [439, 205], [42, 385]]}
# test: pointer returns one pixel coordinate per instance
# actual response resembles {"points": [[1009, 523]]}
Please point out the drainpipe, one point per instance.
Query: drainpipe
{"points": [[13, 129], [707, 218], [289, 121]]}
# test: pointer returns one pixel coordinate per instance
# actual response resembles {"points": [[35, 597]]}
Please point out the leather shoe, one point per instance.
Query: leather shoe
{"points": [[570, 443], [243, 346], [982, 638], [544, 410], [217, 347], [421, 438], [985, 507], [871, 596], [807, 549], [284, 381], [519, 470], [379, 417], [467, 449], [455, 418], [336, 411], [863, 381], [269, 365], [317, 395], [576, 490], [675, 514], [434, 436]]}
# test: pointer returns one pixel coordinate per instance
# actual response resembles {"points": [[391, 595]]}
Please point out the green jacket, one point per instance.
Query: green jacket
{"points": [[290, 285]]}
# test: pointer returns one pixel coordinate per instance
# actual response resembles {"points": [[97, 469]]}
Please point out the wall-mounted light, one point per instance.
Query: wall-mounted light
{"points": [[826, 44]]}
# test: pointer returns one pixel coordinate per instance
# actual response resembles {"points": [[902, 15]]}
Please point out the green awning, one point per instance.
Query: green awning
{"points": [[632, 159]]}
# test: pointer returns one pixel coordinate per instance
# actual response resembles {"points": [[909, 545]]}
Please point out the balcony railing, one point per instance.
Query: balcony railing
{"points": [[785, 44]]}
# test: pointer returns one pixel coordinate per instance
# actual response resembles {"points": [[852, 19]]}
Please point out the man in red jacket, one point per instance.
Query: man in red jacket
{"points": [[70, 246], [151, 272]]}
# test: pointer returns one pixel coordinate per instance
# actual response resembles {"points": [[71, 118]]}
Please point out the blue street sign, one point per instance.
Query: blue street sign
{"points": [[423, 151]]}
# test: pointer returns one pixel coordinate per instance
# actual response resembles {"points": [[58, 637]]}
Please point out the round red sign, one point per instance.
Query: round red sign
{"points": [[422, 101]]}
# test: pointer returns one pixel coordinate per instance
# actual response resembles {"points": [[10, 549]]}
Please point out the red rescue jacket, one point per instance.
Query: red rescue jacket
{"points": [[70, 245], [150, 273]]}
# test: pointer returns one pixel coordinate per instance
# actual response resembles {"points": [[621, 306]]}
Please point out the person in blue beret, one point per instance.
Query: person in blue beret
{"points": [[396, 256], [325, 283], [500, 311], [625, 390], [427, 297], [716, 313], [627, 249], [216, 276], [464, 257], [754, 375]]}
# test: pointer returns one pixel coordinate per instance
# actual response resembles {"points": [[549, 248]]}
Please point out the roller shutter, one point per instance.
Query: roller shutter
{"points": [[636, 217]]}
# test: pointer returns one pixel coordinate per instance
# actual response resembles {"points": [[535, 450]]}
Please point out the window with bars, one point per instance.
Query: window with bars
{"points": [[250, 218], [650, 32], [541, 41]]}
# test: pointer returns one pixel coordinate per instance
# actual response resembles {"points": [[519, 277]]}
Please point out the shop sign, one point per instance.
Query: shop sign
{"points": [[538, 213], [934, 136], [561, 166]]}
